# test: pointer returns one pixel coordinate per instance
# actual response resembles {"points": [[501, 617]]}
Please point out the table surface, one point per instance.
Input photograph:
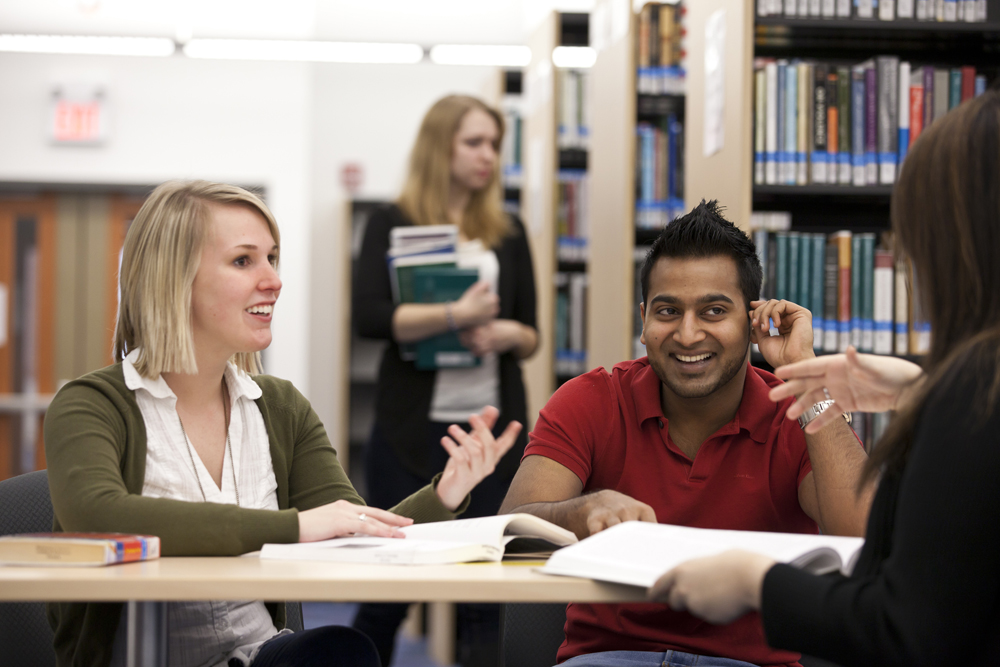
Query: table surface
{"points": [[252, 578]]}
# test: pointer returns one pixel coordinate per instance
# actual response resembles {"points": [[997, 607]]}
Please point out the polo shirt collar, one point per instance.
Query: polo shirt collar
{"points": [[240, 384], [755, 414]]}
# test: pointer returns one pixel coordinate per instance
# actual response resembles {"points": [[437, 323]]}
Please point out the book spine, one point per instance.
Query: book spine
{"points": [[771, 125], [818, 288], [781, 262], [916, 105], [928, 96], [828, 8], [794, 256], [886, 10], [856, 286], [819, 152], [805, 272], [832, 127], [882, 343], [954, 88], [760, 125], [871, 123], [815, 8], [802, 135], [904, 9], [858, 127], [831, 274], [803, 9], [903, 142], [781, 110], [867, 292], [843, 239], [980, 85], [791, 7], [844, 125], [865, 9], [772, 266], [941, 96], [950, 10], [921, 10], [888, 122], [902, 308], [968, 83], [791, 122], [844, 9]]}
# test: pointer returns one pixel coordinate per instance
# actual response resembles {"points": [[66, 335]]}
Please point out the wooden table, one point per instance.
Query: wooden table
{"points": [[148, 586]]}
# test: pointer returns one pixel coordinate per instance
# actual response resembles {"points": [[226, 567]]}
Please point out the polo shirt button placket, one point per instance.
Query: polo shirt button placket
{"points": [[660, 422]]}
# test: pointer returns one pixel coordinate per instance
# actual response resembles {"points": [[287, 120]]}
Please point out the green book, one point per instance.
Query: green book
{"points": [[955, 88], [818, 286], [867, 292], [438, 285], [856, 291], [794, 239], [844, 125], [401, 276], [781, 281], [805, 271]]}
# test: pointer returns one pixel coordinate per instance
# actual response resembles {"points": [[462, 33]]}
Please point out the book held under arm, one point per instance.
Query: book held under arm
{"points": [[639, 553], [77, 549], [462, 541]]}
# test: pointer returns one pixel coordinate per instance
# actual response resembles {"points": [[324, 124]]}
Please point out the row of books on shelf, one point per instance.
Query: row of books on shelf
{"points": [[571, 108], [510, 150], [818, 122], [885, 10], [571, 323], [660, 49], [659, 171], [572, 218], [858, 293], [572, 249]]}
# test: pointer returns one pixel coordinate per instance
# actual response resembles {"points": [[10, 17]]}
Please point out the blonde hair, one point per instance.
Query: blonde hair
{"points": [[159, 262], [424, 199]]}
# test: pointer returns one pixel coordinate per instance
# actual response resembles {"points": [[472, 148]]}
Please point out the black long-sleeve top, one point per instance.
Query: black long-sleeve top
{"points": [[926, 589], [404, 393]]}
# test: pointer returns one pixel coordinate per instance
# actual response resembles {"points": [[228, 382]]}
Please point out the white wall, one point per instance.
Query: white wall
{"points": [[244, 123]]}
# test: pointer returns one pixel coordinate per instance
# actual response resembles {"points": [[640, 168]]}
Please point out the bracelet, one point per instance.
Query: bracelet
{"points": [[450, 317]]}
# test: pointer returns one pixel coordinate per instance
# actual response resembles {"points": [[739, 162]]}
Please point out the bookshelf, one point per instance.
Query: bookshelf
{"points": [[546, 154], [620, 224]]}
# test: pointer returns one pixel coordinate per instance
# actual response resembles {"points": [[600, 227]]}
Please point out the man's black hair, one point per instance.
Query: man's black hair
{"points": [[705, 233]]}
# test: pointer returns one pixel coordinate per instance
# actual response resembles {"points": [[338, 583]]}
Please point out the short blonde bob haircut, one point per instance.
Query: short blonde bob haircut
{"points": [[424, 199], [159, 262]]}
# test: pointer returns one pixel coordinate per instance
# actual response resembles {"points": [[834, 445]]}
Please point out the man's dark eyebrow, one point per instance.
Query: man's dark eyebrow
{"points": [[708, 298]]}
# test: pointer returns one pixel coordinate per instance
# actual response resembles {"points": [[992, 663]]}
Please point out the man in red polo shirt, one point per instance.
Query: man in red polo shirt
{"points": [[688, 436]]}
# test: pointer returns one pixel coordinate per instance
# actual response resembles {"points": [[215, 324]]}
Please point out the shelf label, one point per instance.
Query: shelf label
{"points": [[715, 101]]}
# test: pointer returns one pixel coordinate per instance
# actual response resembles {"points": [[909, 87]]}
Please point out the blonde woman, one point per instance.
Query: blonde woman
{"points": [[453, 179], [185, 440]]}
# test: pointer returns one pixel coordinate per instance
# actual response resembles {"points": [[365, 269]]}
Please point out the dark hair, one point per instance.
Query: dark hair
{"points": [[705, 233], [946, 217]]}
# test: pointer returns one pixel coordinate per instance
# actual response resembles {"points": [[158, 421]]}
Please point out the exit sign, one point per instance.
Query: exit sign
{"points": [[79, 119]]}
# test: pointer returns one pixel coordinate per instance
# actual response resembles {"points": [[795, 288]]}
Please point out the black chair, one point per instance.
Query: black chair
{"points": [[531, 634], [25, 635]]}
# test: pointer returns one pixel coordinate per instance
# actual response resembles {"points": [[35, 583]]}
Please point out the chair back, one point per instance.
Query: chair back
{"points": [[25, 635], [531, 634]]}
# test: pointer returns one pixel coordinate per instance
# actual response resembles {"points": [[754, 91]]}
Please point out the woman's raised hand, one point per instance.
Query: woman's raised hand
{"points": [[474, 455], [343, 518], [863, 382], [477, 305]]}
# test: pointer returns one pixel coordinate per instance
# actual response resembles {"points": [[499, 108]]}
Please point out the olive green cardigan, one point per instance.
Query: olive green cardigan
{"points": [[95, 445]]}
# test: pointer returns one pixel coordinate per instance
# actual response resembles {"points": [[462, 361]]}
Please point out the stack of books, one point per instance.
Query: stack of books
{"points": [[969, 11]]}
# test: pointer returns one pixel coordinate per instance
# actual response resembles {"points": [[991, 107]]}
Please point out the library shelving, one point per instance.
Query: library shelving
{"points": [[512, 152], [638, 154], [871, 86], [555, 181]]}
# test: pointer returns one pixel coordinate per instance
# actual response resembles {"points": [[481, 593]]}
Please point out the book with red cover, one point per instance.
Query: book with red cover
{"points": [[88, 549]]}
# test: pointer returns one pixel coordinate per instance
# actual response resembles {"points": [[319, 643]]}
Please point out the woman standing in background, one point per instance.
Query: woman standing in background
{"points": [[453, 179]]}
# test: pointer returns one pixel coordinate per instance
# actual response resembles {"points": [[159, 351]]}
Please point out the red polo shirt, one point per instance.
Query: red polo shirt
{"points": [[610, 431]]}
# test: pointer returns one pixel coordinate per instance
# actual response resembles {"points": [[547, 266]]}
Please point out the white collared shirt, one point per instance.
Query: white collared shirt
{"points": [[206, 634]]}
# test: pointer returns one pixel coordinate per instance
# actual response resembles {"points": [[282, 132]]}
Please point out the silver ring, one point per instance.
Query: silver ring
{"points": [[826, 393], [362, 517]]}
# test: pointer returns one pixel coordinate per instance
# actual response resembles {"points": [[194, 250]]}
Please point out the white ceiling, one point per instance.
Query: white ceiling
{"points": [[422, 21]]}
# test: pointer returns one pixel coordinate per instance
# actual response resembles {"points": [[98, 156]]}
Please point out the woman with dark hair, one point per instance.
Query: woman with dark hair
{"points": [[926, 589], [453, 179]]}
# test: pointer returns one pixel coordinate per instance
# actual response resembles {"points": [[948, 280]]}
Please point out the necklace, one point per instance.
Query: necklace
{"points": [[229, 447]]}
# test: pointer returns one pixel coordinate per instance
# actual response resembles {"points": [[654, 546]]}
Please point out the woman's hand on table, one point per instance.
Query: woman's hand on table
{"points": [[343, 518], [862, 382], [718, 589], [473, 455]]}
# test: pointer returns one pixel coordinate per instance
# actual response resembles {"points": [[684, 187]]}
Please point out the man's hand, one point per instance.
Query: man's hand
{"points": [[607, 508], [794, 341]]}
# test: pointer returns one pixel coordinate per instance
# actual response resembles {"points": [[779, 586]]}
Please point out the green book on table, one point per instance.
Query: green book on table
{"points": [[438, 285]]}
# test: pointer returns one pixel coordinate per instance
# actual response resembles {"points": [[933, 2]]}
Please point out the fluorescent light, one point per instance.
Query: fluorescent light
{"points": [[481, 54], [88, 45], [304, 51], [574, 57]]}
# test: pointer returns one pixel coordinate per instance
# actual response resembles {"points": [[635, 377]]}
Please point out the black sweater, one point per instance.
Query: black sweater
{"points": [[926, 589], [403, 399]]}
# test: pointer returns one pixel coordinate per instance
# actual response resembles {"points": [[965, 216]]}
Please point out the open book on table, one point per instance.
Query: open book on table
{"points": [[460, 541], [639, 553]]}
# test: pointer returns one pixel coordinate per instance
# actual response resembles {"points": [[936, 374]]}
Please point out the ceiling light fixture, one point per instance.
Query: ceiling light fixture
{"points": [[88, 45], [574, 57], [481, 54], [304, 51]]}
